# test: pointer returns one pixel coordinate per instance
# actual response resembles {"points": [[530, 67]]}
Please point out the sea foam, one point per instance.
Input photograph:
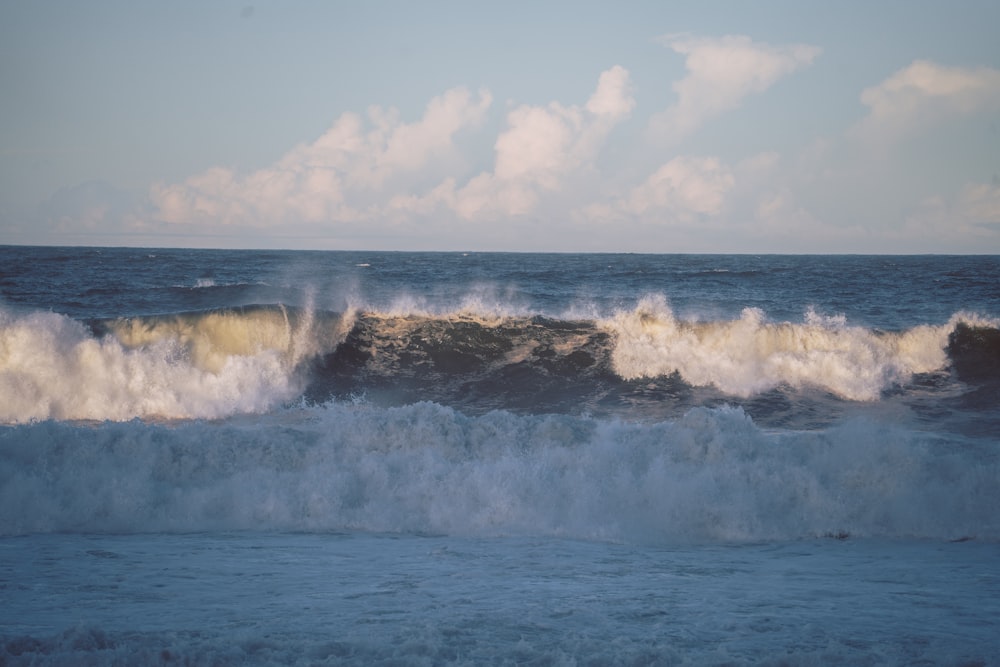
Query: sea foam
{"points": [[710, 476], [750, 355], [252, 359], [213, 365]]}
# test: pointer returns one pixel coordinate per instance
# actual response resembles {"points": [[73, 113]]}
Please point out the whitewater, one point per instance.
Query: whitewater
{"points": [[259, 457]]}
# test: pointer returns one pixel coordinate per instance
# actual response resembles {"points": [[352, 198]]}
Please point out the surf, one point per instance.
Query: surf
{"points": [[251, 359], [750, 355], [184, 366], [712, 475]]}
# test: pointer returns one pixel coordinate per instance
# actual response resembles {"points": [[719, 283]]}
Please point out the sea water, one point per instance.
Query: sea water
{"points": [[250, 457]]}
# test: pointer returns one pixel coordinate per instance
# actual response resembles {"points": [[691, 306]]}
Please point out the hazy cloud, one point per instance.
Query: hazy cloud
{"points": [[682, 188], [943, 224], [721, 72], [979, 204], [373, 174], [924, 93], [87, 205]]}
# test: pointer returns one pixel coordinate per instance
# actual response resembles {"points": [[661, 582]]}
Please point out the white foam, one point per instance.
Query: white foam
{"points": [[710, 476], [208, 366], [750, 354], [481, 302]]}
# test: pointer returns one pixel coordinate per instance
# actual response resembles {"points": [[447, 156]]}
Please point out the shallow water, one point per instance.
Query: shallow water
{"points": [[362, 598]]}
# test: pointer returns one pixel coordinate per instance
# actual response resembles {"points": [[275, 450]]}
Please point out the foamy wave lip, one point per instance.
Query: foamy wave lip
{"points": [[209, 283], [423, 468], [179, 367], [750, 355], [483, 302]]}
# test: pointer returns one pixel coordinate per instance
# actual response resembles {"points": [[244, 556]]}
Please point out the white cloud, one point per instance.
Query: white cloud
{"points": [[542, 148], [539, 145], [338, 177], [703, 204], [924, 93], [721, 72], [613, 98], [361, 169], [372, 176], [700, 193], [544, 145]]}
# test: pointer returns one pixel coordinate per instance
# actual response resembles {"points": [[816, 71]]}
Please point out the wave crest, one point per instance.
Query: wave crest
{"points": [[216, 363], [200, 365], [750, 355]]}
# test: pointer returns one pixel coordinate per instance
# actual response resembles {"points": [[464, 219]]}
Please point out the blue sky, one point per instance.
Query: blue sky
{"points": [[560, 126]]}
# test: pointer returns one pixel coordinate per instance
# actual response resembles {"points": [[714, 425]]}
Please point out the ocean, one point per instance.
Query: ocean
{"points": [[214, 457]]}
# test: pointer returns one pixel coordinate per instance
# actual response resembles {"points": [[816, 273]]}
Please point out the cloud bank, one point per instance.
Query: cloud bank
{"points": [[925, 93], [339, 177], [567, 175], [541, 149], [721, 73]]}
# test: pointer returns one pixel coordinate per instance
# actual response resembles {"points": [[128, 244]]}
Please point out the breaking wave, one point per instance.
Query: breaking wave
{"points": [[751, 355], [204, 365], [712, 475], [253, 359]]}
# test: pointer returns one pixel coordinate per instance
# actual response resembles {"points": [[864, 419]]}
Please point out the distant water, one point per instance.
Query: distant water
{"points": [[250, 457]]}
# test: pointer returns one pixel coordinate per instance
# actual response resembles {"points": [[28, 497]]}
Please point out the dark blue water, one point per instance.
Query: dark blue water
{"points": [[889, 292]]}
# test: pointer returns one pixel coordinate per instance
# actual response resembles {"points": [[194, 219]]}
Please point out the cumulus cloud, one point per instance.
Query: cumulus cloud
{"points": [[704, 192], [378, 167], [704, 204], [375, 176], [682, 188], [541, 149], [686, 193], [924, 93], [337, 177], [721, 72]]}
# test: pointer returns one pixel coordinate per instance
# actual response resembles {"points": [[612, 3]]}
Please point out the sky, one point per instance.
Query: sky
{"points": [[730, 127]]}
